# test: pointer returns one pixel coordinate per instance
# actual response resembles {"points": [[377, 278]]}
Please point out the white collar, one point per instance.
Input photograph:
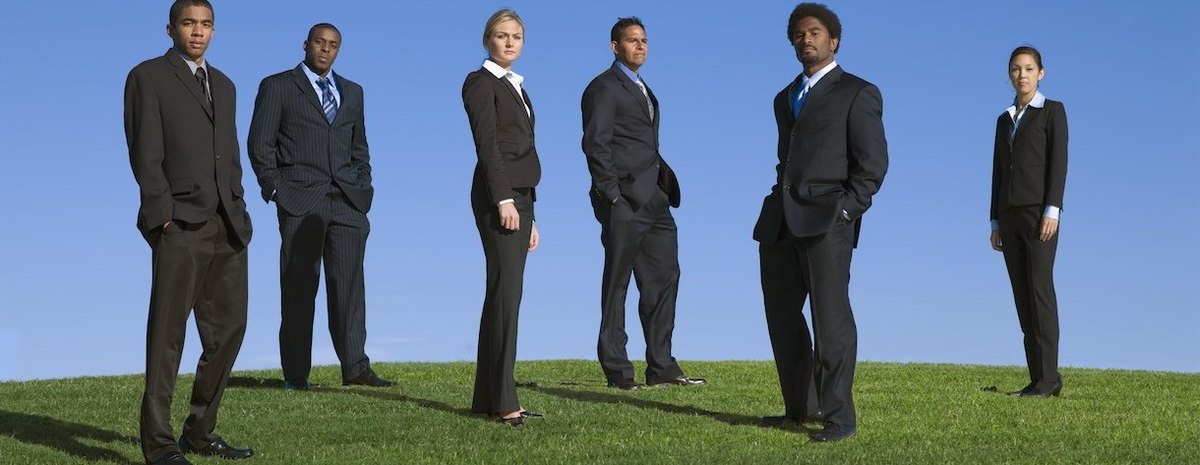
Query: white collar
{"points": [[816, 77], [1038, 101], [500, 72]]}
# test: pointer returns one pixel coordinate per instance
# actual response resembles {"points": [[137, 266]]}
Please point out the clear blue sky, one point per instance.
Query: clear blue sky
{"points": [[926, 286]]}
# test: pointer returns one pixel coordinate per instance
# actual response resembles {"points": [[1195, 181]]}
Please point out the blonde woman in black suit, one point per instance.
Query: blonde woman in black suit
{"points": [[1028, 177], [502, 196]]}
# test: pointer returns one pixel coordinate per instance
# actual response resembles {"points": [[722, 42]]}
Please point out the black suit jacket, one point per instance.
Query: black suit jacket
{"points": [[832, 157], [184, 152], [621, 141], [503, 134], [1031, 169], [297, 154]]}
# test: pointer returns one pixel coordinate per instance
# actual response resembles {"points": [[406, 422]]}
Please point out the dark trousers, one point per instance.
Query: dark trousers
{"points": [[336, 233], [642, 243], [200, 267], [505, 252], [1030, 263], [814, 373]]}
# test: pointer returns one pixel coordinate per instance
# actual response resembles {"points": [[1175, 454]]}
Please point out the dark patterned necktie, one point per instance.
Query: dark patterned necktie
{"points": [[328, 101], [202, 77]]}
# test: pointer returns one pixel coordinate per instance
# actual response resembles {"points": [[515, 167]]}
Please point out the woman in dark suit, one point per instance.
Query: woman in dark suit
{"points": [[1029, 173], [502, 196]]}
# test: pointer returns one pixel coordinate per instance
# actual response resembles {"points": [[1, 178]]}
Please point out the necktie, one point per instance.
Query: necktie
{"points": [[649, 103], [799, 102], [202, 77], [1016, 120], [328, 102]]}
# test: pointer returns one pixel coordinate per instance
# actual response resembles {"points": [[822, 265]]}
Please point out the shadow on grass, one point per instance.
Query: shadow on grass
{"points": [[631, 399], [375, 393], [64, 436]]}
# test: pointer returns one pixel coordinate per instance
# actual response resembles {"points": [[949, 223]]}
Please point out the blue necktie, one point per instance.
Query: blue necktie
{"points": [[799, 101], [328, 102]]}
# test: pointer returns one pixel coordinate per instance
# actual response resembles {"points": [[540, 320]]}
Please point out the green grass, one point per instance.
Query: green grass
{"points": [[908, 413]]}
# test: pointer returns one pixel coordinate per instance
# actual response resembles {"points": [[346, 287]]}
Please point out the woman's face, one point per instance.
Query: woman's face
{"points": [[505, 41], [1025, 73]]}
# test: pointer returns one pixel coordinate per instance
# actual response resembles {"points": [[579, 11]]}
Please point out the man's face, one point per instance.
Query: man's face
{"points": [[632, 48], [321, 49], [192, 31], [814, 46]]}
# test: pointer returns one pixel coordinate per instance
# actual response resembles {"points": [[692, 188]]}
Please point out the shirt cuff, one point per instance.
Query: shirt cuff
{"points": [[1052, 212], [995, 225], [505, 201]]}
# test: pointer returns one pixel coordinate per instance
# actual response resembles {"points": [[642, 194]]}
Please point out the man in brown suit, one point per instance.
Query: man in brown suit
{"points": [[179, 125]]}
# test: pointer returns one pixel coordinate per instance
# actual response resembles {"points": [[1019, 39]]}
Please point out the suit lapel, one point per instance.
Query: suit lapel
{"points": [[184, 73], [633, 89], [1031, 114], [301, 81], [818, 91], [512, 91], [529, 103]]}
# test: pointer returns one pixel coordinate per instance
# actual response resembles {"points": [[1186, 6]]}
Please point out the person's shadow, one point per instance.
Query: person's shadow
{"points": [[632, 399], [376, 393], [64, 436]]}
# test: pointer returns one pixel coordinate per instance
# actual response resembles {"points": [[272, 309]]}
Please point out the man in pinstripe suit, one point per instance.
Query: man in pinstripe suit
{"points": [[308, 147]]}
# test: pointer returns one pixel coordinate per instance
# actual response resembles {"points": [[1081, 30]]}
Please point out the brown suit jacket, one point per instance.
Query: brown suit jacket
{"points": [[184, 152]]}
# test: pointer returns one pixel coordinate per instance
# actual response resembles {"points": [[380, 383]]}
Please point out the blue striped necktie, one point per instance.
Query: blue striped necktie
{"points": [[328, 102], [799, 103]]}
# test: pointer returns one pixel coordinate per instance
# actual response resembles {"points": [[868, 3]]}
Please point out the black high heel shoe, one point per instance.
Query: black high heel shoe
{"points": [[515, 422]]}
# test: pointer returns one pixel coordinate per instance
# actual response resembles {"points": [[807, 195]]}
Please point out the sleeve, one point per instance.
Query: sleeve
{"points": [[866, 151], [997, 173], [1056, 156], [479, 99], [360, 156], [144, 136], [263, 142], [599, 116]]}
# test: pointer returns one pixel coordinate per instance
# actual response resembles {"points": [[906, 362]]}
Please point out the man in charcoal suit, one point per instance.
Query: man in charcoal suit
{"points": [[632, 193], [832, 159]]}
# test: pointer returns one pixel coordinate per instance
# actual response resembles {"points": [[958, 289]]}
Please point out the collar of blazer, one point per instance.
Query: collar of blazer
{"points": [[184, 73], [636, 92], [522, 100], [306, 87], [815, 93]]}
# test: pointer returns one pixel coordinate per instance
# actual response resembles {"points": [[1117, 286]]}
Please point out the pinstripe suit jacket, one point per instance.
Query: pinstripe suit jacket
{"points": [[299, 156]]}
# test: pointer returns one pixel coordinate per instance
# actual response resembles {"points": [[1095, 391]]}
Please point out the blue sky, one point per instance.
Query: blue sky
{"points": [[926, 287]]}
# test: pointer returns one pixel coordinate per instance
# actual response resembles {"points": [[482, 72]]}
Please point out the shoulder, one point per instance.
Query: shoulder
{"points": [[603, 81], [346, 83], [216, 75], [478, 81], [152, 66], [1055, 106], [277, 78], [856, 83]]}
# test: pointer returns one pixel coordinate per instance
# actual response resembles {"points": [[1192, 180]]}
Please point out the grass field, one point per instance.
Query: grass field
{"points": [[908, 413]]}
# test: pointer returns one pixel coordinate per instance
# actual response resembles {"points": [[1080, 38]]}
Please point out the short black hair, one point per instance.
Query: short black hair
{"points": [[179, 5], [319, 26], [623, 23], [823, 14], [1027, 50]]}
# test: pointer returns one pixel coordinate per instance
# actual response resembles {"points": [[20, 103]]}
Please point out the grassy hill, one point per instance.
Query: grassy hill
{"points": [[908, 413]]}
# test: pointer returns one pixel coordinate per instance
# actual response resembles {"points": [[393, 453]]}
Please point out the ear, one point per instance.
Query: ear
{"points": [[613, 46], [170, 31], [836, 43], [1041, 73]]}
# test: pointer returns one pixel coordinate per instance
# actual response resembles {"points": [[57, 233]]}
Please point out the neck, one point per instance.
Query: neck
{"points": [[198, 60], [810, 70], [1023, 100], [633, 68]]}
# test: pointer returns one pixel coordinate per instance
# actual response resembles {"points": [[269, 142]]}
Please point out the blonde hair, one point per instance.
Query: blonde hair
{"points": [[504, 14]]}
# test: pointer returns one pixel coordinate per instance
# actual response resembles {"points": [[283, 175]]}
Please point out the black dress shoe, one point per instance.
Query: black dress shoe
{"points": [[627, 384], [218, 448], [682, 381], [1053, 392], [297, 385], [173, 458], [1027, 388], [832, 433], [515, 422], [783, 420], [368, 378]]}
